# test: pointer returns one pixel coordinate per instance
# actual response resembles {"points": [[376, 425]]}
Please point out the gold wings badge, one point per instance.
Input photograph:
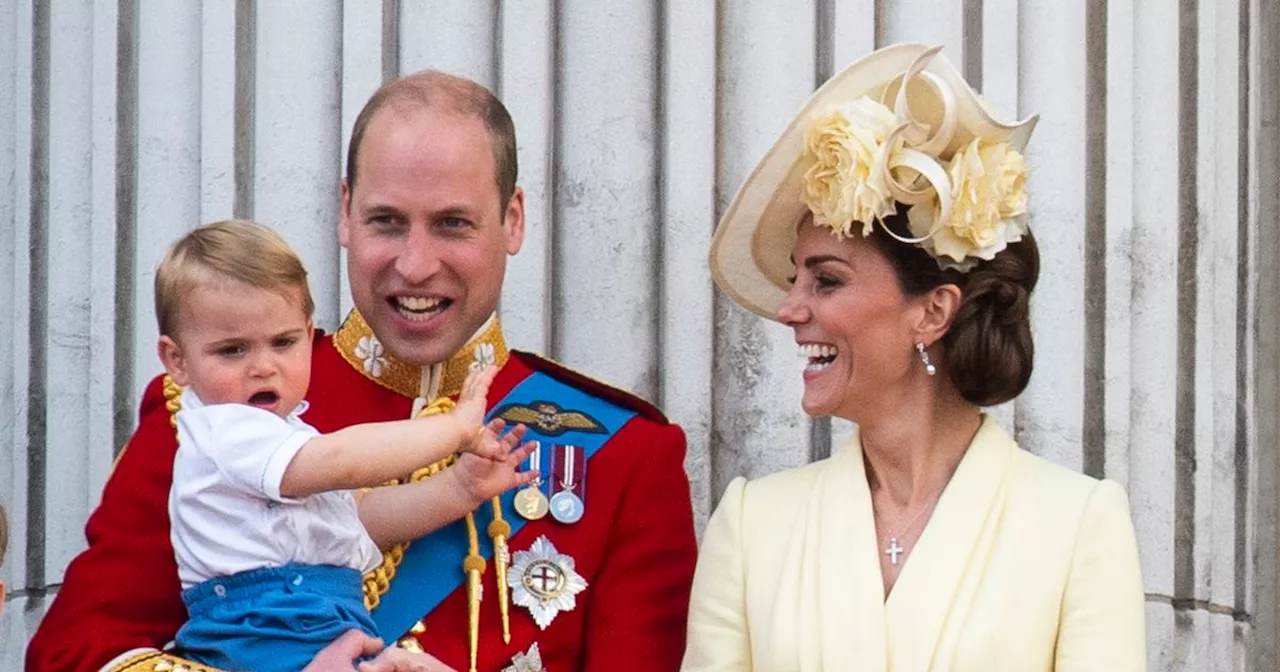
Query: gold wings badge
{"points": [[549, 419]]}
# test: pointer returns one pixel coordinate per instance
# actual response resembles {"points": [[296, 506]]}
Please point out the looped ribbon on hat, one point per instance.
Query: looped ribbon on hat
{"points": [[919, 147]]}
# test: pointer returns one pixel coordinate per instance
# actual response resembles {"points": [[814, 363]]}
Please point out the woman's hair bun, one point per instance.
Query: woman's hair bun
{"points": [[988, 349]]}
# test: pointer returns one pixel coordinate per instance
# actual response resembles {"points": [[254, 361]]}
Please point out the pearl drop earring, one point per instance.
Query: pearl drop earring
{"points": [[929, 368]]}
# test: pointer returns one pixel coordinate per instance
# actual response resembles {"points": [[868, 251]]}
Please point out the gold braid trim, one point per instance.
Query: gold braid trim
{"points": [[172, 400], [158, 661], [357, 344]]}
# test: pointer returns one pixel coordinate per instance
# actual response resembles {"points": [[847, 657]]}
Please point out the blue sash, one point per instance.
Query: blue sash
{"points": [[432, 566]]}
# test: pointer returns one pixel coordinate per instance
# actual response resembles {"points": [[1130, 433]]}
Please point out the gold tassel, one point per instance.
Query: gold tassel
{"points": [[473, 565], [499, 532]]}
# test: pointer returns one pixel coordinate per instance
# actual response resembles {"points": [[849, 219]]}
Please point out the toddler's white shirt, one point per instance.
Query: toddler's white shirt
{"points": [[225, 507]]}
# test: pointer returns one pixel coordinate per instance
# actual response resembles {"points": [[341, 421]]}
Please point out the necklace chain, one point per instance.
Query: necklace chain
{"points": [[893, 550], [914, 519]]}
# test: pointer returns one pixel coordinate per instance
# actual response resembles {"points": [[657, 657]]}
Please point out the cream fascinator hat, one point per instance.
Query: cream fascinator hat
{"points": [[862, 144]]}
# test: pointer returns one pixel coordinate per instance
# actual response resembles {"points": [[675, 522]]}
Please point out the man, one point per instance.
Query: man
{"points": [[430, 211]]}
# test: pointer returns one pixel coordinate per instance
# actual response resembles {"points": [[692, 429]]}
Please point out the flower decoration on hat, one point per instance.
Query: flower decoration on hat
{"points": [[967, 200]]}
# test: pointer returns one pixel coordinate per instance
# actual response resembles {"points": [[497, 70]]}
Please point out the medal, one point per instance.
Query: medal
{"points": [[566, 507], [566, 504], [544, 581], [530, 503]]}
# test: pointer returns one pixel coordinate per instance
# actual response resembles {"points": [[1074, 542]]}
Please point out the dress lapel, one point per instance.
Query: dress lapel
{"points": [[936, 587], [839, 614]]}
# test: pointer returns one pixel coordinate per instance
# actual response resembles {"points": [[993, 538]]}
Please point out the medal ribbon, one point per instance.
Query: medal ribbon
{"points": [[566, 483], [535, 462], [567, 477]]}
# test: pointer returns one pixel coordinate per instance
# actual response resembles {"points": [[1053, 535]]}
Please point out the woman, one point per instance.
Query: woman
{"points": [[887, 228]]}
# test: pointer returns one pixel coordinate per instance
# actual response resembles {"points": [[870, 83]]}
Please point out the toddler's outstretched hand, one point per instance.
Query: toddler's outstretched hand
{"points": [[494, 469], [473, 400]]}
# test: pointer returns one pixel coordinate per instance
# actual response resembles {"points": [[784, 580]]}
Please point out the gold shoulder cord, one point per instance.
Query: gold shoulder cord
{"points": [[378, 581], [172, 401]]}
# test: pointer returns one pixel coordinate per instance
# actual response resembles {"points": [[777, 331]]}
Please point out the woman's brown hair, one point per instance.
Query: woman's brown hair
{"points": [[987, 352]]}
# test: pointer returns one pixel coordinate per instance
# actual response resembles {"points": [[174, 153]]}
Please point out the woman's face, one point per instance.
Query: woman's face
{"points": [[853, 324]]}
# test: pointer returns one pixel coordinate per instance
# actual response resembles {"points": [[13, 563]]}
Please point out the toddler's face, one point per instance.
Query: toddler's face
{"points": [[242, 344]]}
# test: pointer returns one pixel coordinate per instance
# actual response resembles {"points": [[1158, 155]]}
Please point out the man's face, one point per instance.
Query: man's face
{"points": [[426, 233]]}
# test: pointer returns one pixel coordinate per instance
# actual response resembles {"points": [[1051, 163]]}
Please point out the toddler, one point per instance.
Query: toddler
{"points": [[270, 533]]}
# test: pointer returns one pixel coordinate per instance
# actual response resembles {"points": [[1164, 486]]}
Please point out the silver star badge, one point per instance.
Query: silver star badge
{"points": [[543, 581], [526, 662]]}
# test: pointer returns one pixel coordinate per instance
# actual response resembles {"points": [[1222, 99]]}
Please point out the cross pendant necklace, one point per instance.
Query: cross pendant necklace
{"points": [[893, 550]]}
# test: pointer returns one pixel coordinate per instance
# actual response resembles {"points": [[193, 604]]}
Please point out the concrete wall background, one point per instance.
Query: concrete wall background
{"points": [[126, 122]]}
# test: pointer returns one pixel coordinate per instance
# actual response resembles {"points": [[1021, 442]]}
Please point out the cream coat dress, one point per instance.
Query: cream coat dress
{"points": [[1024, 566]]}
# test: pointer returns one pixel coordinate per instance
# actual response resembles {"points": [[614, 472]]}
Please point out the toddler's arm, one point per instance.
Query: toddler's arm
{"points": [[407, 512], [367, 455]]}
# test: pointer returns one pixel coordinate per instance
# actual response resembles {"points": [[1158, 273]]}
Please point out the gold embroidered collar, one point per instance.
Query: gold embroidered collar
{"points": [[357, 344]]}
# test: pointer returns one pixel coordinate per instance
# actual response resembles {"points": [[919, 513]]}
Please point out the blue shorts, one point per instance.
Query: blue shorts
{"points": [[274, 618]]}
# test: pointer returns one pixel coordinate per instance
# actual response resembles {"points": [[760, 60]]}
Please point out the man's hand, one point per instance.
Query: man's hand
{"points": [[341, 656], [399, 660]]}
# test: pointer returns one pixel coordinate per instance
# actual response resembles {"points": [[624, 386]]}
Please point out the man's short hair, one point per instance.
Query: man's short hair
{"points": [[435, 90], [231, 250]]}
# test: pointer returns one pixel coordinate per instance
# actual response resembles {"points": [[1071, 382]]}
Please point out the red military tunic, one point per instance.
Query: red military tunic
{"points": [[634, 546]]}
